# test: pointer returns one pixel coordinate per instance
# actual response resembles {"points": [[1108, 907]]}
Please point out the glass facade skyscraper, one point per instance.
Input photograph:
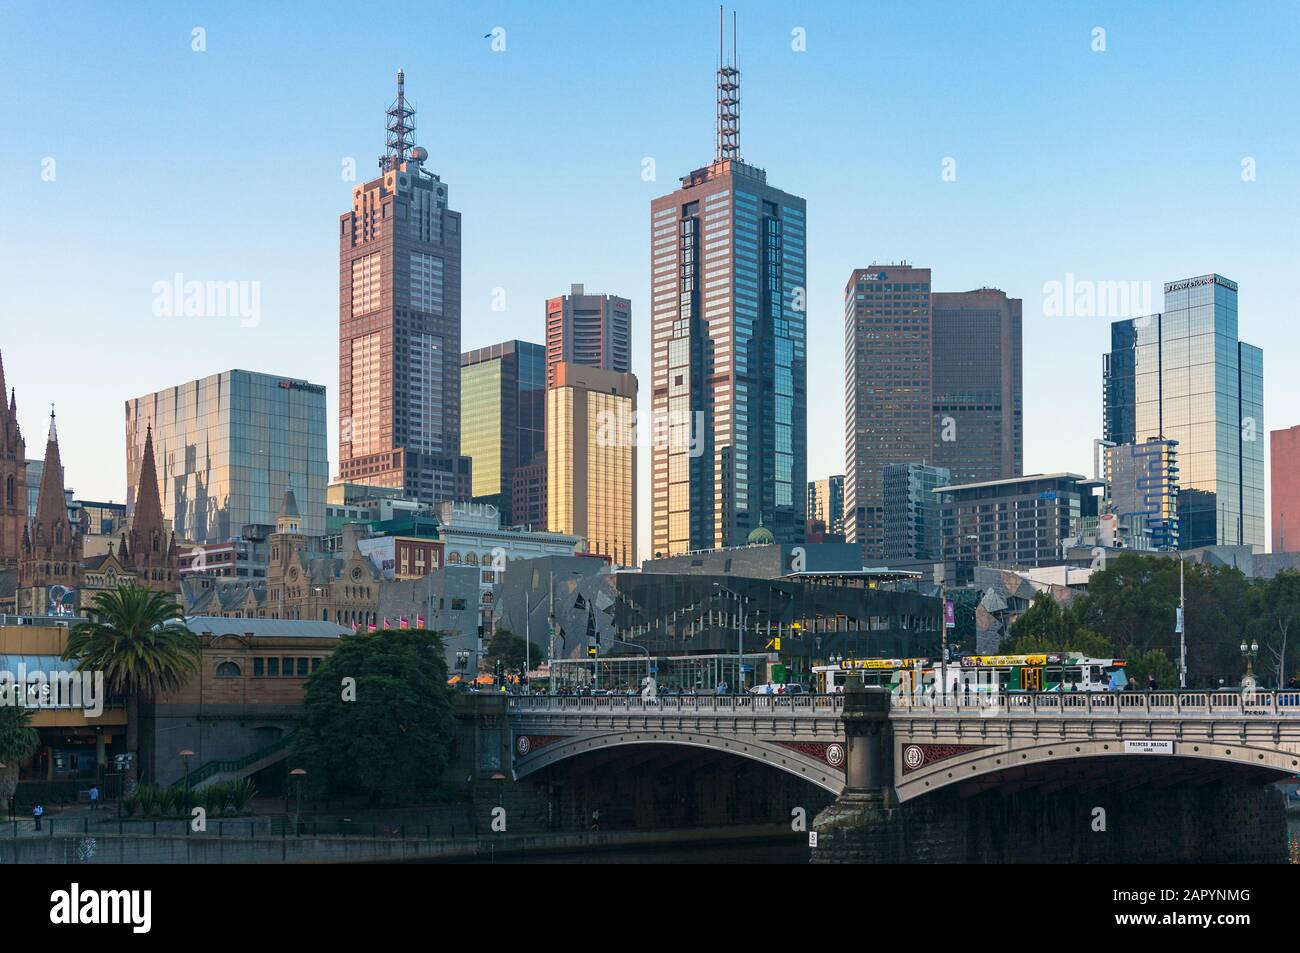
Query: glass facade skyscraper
{"points": [[1185, 375], [227, 447], [502, 417]]}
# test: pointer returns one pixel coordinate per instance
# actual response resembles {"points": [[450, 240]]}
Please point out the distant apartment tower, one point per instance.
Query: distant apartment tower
{"points": [[976, 384], [1142, 489], [399, 326], [729, 352], [226, 448], [913, 512], [826, 509], [1016, 522], [502, 417], [1185, 375], [888, 413], [591, 459], [1285, 476], [590, 329]]}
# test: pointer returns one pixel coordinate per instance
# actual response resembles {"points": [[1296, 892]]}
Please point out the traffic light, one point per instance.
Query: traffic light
{"points": [[592, 650]]}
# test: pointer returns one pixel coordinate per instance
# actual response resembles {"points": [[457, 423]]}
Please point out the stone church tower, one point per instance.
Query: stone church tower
{"points": [[13, 479], [49, 572], [148, 549]]}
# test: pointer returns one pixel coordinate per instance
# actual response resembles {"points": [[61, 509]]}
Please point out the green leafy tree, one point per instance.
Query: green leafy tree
{"points": [[1133, 603], [1275, 605], [1153, 662], [138, 638], [378, 717], [1048, 626], [18, 742], [508, 648]]}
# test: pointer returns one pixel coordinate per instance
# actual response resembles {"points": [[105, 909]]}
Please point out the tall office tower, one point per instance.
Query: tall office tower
{"points": [[1185, 375], [399, 326], [1142, 490], [1284, 471], [729, 352], [13, 479], [225, 449], [591, 459], [826, 509], [590, 329], [502, 417], [913, 512], [976, 384], [888, 413]]}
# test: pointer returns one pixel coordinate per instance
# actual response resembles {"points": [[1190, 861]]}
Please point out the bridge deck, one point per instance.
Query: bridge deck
{"points": [[1100, 704]]}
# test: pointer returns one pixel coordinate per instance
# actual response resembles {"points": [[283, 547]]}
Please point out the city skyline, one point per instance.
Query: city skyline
{"points": [[1247, 219]]}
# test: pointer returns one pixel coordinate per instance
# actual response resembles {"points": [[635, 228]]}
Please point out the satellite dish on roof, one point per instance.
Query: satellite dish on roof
{"points": [[419, 153]]}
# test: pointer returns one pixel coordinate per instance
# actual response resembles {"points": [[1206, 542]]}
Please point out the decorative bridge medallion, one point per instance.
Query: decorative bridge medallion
{"points": [[526, 744], [916, 757], [831, 752]]}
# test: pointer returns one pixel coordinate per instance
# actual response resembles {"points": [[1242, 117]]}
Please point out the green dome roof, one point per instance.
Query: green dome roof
{"points": [[762, 536]]}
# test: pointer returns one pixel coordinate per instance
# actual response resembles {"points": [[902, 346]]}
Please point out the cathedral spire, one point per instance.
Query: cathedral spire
{"points": [[147, 516], [51, 504]]}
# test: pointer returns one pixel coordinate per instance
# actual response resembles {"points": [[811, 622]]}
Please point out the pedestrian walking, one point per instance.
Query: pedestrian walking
{"points": [[1151, 682], [37, 813], [94, 797], [13, 807]]}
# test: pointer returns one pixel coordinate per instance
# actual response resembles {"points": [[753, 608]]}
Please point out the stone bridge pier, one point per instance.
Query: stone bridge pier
{"points": [[1110, 779]]}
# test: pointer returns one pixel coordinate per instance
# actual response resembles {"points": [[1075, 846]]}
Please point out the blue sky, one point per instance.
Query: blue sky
{"points": [[1122, 165]]}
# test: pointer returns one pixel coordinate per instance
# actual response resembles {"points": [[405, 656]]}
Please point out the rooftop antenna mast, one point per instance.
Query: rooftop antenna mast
{"points": [[728, 95], [401, 128]]}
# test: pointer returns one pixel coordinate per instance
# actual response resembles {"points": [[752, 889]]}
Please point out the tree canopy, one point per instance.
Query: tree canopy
{"points": [[378, 717]]}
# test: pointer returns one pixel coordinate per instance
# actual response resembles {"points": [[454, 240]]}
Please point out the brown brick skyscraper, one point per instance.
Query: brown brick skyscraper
{"points": [[399, 326]]}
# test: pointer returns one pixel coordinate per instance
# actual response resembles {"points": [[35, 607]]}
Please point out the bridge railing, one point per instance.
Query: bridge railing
{"points": [[760, 705], [1102, 704]]}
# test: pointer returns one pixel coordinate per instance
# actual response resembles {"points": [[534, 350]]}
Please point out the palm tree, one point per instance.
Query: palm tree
{"points": [[138, 638], [18, 742]]}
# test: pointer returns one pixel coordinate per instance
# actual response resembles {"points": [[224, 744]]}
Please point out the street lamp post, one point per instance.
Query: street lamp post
{"points": [[297, 774], [742, 605], [1248, 652], [185, 755]]}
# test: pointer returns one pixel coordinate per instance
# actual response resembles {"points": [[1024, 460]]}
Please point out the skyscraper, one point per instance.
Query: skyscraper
{"points": [[591, 459], [729, 356], [1284, 472], [888, 412], [227, 446], [502, 417], [590, 329], [976, 384], [1185, 375], [1142, 489], [399, 326], [913, 512]]}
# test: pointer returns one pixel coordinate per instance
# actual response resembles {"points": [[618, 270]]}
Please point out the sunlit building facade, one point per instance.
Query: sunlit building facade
{"points": [[226, 448], [591, 459], [591, 329], [1142, 487], [1185, 375], [502, 418]]}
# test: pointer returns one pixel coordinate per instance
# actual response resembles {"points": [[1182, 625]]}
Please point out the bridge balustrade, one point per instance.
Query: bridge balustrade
{"points": [[1102, 704], [714, 704]]}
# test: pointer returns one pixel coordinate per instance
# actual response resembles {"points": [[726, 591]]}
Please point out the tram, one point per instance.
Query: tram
{"points": [[1037, 672]]}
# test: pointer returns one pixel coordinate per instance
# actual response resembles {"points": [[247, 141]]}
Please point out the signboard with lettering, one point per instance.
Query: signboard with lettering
{"points": [[1147, 746]]}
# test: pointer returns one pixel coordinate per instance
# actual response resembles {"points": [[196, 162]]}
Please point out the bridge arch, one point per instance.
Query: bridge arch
{"points": [[1054, 760], [791, 760]]}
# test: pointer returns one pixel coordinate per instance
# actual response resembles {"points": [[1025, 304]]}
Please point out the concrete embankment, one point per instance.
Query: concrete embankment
{"points": [[80, 848]]}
